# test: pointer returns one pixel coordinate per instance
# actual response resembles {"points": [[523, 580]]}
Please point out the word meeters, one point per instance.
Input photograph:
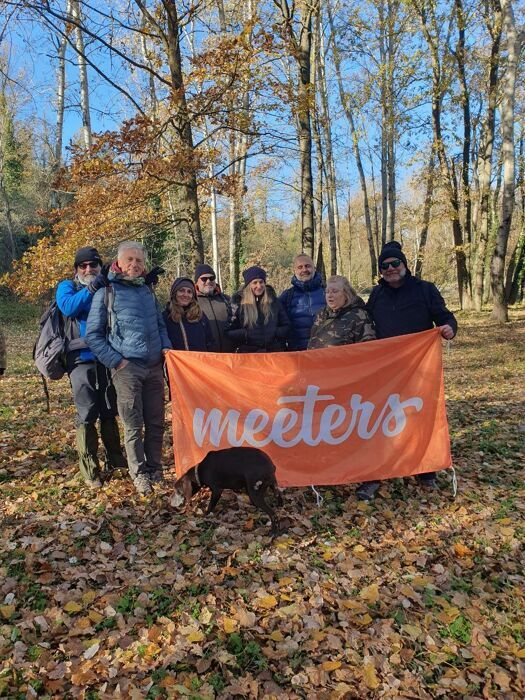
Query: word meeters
{"points": [[307, 418]]}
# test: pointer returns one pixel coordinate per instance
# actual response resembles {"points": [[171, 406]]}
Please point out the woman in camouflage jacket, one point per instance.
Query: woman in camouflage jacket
{"points": [[344, 320]]}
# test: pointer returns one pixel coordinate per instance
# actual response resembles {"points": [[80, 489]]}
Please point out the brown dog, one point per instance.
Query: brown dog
{"points": [[237, 468]]}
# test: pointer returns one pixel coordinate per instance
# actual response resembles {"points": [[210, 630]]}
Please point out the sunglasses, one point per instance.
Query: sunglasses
{"points": [[211, 278], [85, 265], [392, 263]]}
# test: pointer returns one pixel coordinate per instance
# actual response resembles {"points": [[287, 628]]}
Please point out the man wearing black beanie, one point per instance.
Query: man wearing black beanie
{"points": [[93, 393], [215, 305], [401, 304]]}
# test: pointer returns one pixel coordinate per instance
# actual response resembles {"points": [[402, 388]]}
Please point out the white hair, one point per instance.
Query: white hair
{"points": [[130, 245]]}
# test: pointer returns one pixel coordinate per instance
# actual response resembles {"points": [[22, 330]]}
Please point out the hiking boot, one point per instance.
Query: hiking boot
{"points": [[427, 481], [367, 491], [143, 485], [94, 484], [157, 476]]}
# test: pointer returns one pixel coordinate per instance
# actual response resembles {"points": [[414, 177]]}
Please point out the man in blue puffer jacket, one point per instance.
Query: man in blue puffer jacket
{"points": [[128, 335], [302, 301], [93, 394]]}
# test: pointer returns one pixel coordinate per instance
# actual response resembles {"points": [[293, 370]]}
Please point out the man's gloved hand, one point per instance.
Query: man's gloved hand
{"points": [[152, 276], [100, 281]]}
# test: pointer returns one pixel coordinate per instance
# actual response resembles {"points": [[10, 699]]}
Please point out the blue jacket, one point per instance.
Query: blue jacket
{"points": [[138, 332], [74, 301], [198, 333], [302, 301], [415, 306]]}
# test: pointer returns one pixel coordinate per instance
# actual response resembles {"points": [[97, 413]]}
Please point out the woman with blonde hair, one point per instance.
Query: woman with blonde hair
{"points": [[260, 323], [344, 320], [187, 326]]}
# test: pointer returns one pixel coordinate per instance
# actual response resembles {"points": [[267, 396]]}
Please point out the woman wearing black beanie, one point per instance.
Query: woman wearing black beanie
{"points": [[260, 323]]}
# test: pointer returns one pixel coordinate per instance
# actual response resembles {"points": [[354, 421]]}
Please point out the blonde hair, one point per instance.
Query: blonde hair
{"points": [[191, 313], [349, 291], [251, 309]]}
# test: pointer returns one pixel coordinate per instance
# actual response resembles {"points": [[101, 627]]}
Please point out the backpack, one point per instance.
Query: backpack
{"points": [[49, 352]]}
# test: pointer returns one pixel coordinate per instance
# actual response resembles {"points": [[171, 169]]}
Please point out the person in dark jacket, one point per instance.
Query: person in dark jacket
{"points": [[401, 304], [93, 393], [187, 325], [260, 323], [215, 305], [128, 335], [3, 354], [344, 320], [302, 301]]}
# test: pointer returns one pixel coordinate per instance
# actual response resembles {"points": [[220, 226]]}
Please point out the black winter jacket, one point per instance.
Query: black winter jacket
{"points": [[415, 306], [198, 333], [263, 337]]}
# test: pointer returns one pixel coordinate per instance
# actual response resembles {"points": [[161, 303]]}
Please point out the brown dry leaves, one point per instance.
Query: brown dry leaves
{"points": [[416, 595]]}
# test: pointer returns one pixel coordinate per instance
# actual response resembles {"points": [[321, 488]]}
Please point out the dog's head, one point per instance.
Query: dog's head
{"points": [[185, 488]]}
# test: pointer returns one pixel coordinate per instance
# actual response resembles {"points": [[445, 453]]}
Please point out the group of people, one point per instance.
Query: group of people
{"points": [[115, 365]]}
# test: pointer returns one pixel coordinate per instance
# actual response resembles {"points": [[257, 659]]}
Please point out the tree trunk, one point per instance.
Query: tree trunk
{"points": [[319, 193], [463, 278], [59, 131], [301, 50], [331, 185], [74, 7], [465, 102], [355, 143], [497, 267], [426, 216], [485, 159], [188, 212]]}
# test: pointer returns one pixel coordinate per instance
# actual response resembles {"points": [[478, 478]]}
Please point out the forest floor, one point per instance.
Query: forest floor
{"points": [[417, 595]]}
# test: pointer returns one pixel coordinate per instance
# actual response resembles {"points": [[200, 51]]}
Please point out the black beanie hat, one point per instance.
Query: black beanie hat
{"points": [[87, 254], [254, 273], [204, 269], [182, 282], [392, 249]]}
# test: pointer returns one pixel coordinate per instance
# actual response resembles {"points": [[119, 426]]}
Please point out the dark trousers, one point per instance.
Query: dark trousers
{"points": [[94, 398], [93, 395], [140, 401]]}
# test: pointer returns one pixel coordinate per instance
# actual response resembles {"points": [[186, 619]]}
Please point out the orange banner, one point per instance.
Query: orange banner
{"points": [[333, 416]]}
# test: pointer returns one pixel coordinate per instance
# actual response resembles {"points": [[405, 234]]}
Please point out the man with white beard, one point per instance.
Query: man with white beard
{"points": [[93, 392]]}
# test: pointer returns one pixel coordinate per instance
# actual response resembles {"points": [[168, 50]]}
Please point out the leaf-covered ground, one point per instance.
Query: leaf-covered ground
{"points": [[417, 595]]}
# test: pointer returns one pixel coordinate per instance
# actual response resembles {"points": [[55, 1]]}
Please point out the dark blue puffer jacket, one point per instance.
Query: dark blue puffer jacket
{"points": [[138, 330], [74, 301], [301, 302]]}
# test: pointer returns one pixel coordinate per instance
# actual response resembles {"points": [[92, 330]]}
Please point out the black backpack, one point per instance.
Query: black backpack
{"points": [[49, 352]]}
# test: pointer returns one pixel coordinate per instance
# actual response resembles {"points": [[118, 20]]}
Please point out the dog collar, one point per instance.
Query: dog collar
{"points": [[197, 476]]}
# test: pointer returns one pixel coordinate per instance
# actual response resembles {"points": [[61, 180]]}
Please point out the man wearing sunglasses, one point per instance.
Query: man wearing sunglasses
{"points": [[215, 305], [93, 393], [401, 304]]}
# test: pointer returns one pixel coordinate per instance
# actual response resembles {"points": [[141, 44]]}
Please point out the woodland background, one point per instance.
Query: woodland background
{"points": [[245, 132], [242, 133]]}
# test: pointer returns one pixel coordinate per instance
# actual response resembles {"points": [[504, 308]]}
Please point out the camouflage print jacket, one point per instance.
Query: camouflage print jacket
{"points": [[350, 324]]}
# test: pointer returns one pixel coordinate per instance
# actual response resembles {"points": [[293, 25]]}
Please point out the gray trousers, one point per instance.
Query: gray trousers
{"points": [[140, 401]]}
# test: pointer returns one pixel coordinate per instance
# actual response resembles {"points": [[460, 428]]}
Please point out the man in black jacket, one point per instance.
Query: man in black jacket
{"points": [[215, 305], [401, 304]]}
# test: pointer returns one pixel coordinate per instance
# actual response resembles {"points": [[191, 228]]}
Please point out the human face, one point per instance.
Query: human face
{"points": [[304, 268], [258, 287], [394, 276], [335, 296], [206, 284], [131, 262], [87, 271], [184, 296]]}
